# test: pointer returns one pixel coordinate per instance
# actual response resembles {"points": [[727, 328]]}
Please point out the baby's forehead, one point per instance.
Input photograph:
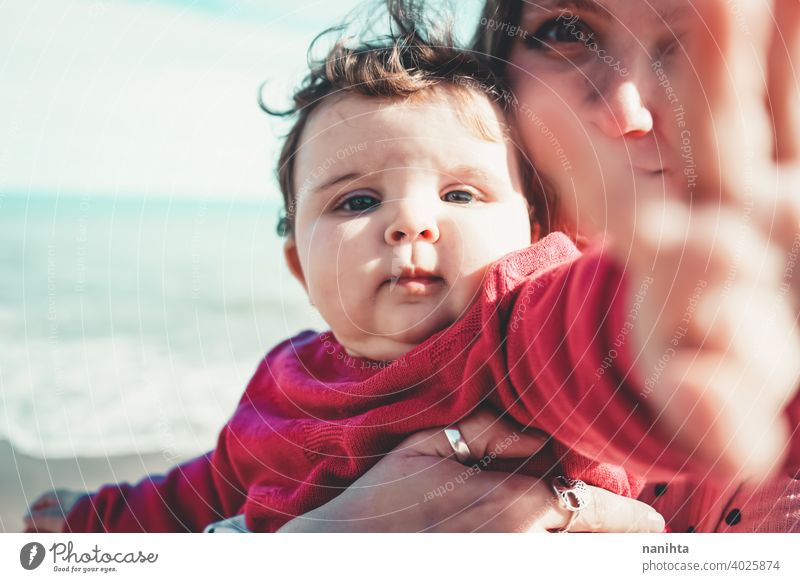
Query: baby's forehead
{"points": [[446, 133], [472, 111]]}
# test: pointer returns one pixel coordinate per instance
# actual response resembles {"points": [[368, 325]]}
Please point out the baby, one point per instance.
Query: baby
{"points": [[413, 224]]}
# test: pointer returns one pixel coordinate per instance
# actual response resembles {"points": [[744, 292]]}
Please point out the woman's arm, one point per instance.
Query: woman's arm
{"points": [[419, 487]]}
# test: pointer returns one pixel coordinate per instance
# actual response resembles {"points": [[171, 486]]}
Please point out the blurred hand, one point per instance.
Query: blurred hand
{"points": [[717, 335]]}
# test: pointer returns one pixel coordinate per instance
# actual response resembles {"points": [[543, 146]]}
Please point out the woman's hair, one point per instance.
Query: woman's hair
{"points": [[493, 41], [403, 65]]}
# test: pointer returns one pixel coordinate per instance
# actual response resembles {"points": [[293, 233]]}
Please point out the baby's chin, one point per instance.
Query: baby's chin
{"points": [[395, 341], [415, 328]]}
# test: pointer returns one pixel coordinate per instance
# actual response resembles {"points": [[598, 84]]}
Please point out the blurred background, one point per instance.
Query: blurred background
{"points": [[141, 279]]}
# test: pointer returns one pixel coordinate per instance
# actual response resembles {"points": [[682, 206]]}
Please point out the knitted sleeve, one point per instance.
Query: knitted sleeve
{"points": [[186, 499]]}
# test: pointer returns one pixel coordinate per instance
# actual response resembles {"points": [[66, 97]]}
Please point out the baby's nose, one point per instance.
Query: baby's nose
{"points": [[412, 223], [397, 235]]}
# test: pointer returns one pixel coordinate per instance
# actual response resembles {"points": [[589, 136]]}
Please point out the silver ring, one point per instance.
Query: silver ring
{"points": [[458, 444], [573, 495]]}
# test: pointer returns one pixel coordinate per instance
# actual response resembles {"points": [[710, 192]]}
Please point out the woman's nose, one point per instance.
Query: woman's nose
{"points": [[412, 222], [622, 111]]}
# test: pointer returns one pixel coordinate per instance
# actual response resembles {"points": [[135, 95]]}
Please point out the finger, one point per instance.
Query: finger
{"points": [[529, 504], [722, 414], [426, 443], [488, 434], [729, 133], [784, 86], [485, 434], [495, 442], [608, 512], [695, 258], [44, 504], [778, 211], [45, 500]]}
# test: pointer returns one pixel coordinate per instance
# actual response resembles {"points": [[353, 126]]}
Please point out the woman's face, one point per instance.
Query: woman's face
{"points": [[600, 110]]}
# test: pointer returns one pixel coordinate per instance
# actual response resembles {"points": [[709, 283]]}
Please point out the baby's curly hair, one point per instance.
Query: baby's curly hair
{"points": [[405, 66]]}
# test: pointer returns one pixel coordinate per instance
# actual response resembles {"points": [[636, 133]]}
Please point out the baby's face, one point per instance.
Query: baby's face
{"points": [[400, 209]]}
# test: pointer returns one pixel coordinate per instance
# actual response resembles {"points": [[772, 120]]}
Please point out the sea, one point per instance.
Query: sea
{"points": [[132, 324]]}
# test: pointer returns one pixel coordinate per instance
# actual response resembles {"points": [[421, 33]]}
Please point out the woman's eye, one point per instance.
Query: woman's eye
{"points": [[459, 196], [561, 30], [668, 49], [359, 203]]}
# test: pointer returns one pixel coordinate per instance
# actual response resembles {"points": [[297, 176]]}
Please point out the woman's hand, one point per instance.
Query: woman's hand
{"points": [[48, 513], [419, 487]]}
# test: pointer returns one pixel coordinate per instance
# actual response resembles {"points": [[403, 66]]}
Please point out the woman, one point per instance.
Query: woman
{"points": [[608, 111], [607, 90]]}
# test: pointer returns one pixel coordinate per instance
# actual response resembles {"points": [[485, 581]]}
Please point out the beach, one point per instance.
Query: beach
{"points": [[129, 326], [132, 325], [23, 478]]}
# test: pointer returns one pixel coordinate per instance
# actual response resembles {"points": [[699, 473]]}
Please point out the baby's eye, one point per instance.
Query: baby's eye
{"points": [[459, 197], [560, 30], [359, 203]]}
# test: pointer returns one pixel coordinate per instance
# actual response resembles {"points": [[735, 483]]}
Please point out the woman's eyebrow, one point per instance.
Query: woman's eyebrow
{"points": [[666, 13], [673, 12], [583, 5]]}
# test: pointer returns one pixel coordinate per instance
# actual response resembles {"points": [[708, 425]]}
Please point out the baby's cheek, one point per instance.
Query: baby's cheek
{"points": [[338, 273], [464, 292]]}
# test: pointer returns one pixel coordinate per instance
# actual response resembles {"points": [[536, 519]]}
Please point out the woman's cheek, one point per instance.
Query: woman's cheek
{"points": [[555, 124]]}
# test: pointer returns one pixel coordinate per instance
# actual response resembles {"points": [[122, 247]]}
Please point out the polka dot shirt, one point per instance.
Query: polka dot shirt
{"points": [[702, 506]]}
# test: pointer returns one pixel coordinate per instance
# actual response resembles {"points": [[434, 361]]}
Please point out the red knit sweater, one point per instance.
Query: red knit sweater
{"points": [[546, 341]]}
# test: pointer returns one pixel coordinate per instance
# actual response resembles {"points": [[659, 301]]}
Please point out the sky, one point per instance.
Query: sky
{"points": [[148, 98]]}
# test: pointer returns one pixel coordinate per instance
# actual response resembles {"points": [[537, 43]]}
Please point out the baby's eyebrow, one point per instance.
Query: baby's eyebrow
{"points": [[467, 171], [349, 177]]}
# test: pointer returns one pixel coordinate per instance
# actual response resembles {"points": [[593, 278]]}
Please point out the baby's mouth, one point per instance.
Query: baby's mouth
{"points": [[415, 281], [417, 285]]}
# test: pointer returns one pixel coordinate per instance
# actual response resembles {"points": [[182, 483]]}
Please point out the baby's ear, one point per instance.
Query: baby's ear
{"points": [[293, 261]]}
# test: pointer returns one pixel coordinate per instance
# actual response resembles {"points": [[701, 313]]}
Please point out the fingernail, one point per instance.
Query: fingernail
{"points": [[655, 521]]}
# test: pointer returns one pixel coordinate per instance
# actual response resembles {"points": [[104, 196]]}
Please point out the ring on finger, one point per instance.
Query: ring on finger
{"points": [[573, 495], [458, 444]]}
